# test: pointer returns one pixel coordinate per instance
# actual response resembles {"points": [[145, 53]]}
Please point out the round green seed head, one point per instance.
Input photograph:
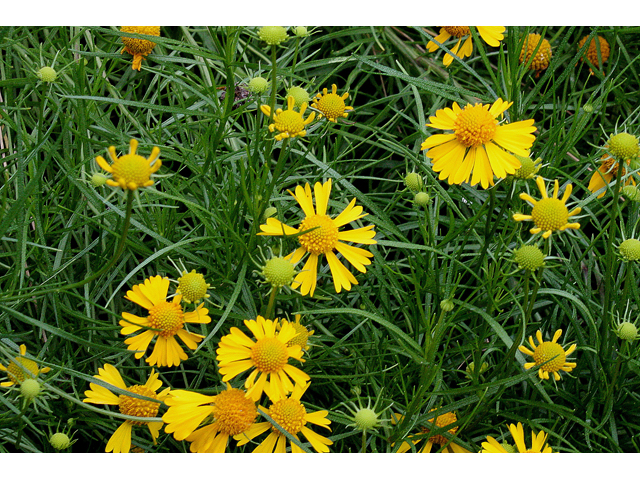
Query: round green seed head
{"points": [[422, 199], [630, 249], [508, 447], [258, 85], [447, 305], [60, 441], [631, 192], [273, 35], [588, 108], [627, 331], [300, 32], [365, 419], [98, 179], [528, 167], [278, 271], [269, 212], [47, 74], [529, 257], [624, 145], [30, 388], [300, 96], [413, 181]]}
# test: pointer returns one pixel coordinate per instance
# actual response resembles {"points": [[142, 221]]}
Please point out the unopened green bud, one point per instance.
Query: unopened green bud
{"points": [[47, 74], [413, 181], [60, 441], [422, 199], [30, 388]]}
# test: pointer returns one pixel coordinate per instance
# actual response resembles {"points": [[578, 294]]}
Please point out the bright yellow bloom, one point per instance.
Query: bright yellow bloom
{"points": [[268, 356], [549, 214], [440, 421], [288, 122], [517, 432], [230, 414], [492, 35], [599, 44], [331, 105], [551, 354], [293, 417], [138, 47], [120, 441], [323, 238], [21, 368], [130, 171], [303, 334], [165, 321], [535, 43], [478, 144]]}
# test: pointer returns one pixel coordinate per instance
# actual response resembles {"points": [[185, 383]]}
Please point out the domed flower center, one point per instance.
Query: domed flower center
{"points": [[529, 257], [138, 45], [624, 145], [458, 31], [550, 214], [321, 240], [278, 271], [137, 407], [331, 105], [289, 121], [630, 249], [269, 355], [19, 367], [166, 317], [289, 414], [475, 126], [192, 286], [546, 351], [366, 418], [233, 412], [133, 169], [302, 336], [442, 421]]}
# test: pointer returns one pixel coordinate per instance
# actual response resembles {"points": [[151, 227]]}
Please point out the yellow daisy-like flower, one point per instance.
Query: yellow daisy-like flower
{"points": [[591, 54], [535, 43], [268, 356], [192, 286], [517, 432], [288, 122], [478, 144], [303, 333], [21, 368], [130, 171], [440, 421], [323, 237], [230, 414], [120, 441], [164, 322], [549, 214], [331, 105], [293, 417], [492, 35], [552, 353], [138, 47]]}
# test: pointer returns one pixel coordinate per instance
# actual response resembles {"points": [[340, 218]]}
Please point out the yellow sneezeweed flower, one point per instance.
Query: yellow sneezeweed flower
{"points": [[164, 322], [478, 144], [138, 47], [549, 214], [622, 148], [293, 417], [324, 238], [331, 105], [596, 45], [492, 35], [552, 353], [303, 333], [120, 441], [288, 122], [130, 171], [227, 414], [535, 43], [21, 368], [440, 421], [517, 432], [268, 357]]}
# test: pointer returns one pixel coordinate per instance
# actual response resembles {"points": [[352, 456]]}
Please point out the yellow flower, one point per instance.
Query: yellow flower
{"points": [[591, 54], [517, 432], [192, 286], [535, 43], [303, 334], [324, 238], [138, 47], [120, 441], [551, 354], [165, 321], [21, 368], [478, 144], [130, 171], [268, 355], [230, 412], [549, 214], [492, 35], [288, 122], [621, 148], [331, 105], [440, 421], [293, 417]]}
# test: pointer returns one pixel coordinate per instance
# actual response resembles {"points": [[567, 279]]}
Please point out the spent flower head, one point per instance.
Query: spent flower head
{"points": [[597, 52], [536, 50], [192, 286], [139, 47]]}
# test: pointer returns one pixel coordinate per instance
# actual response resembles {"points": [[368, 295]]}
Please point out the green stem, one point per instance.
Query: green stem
{"points": [[272, 302], [272, 100]]}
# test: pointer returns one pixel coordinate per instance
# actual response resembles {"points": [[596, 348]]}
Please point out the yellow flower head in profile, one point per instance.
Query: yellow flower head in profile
{"points": [[323, 237], [288, 122], [120, 441], [550, 355], [130, 171], [517, 432], [440, 421], [549, 214], [492, 35], [21, 368], [293, 417], [138, 47], [228, 414], [478, 144], [164, 322], [621, 148], [267, 356], [539, 48], [597, 47], [331, 105]]}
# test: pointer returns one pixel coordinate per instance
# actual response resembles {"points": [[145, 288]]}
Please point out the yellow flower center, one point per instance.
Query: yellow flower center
{"points": [[19, 366], [289, 414], [166, 317], [192, 286], [624, 145], [550, 214], [138, 45], [321, 240], [131, 169], [233, 412], [289, 121], [137, 407], [475, 126], [458, 31], [442, 421], [546, 351], [331, 105], [269, 355]]}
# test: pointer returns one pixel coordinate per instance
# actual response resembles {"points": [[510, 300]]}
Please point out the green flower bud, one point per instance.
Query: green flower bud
{"points": [[413, 181], [60, 441], [422, 199], [300, 32], [447, 305], [365, 419], [529, 257], [627, 331], [630, 249], [98, 179], [30, 388], [624, 146], [258, 85], [47, 74], [278, 271], [300, 95], [631, 192], [273, 35]]}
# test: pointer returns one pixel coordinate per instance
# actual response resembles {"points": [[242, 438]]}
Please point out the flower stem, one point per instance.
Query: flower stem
{"points": [[272, 301]]}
